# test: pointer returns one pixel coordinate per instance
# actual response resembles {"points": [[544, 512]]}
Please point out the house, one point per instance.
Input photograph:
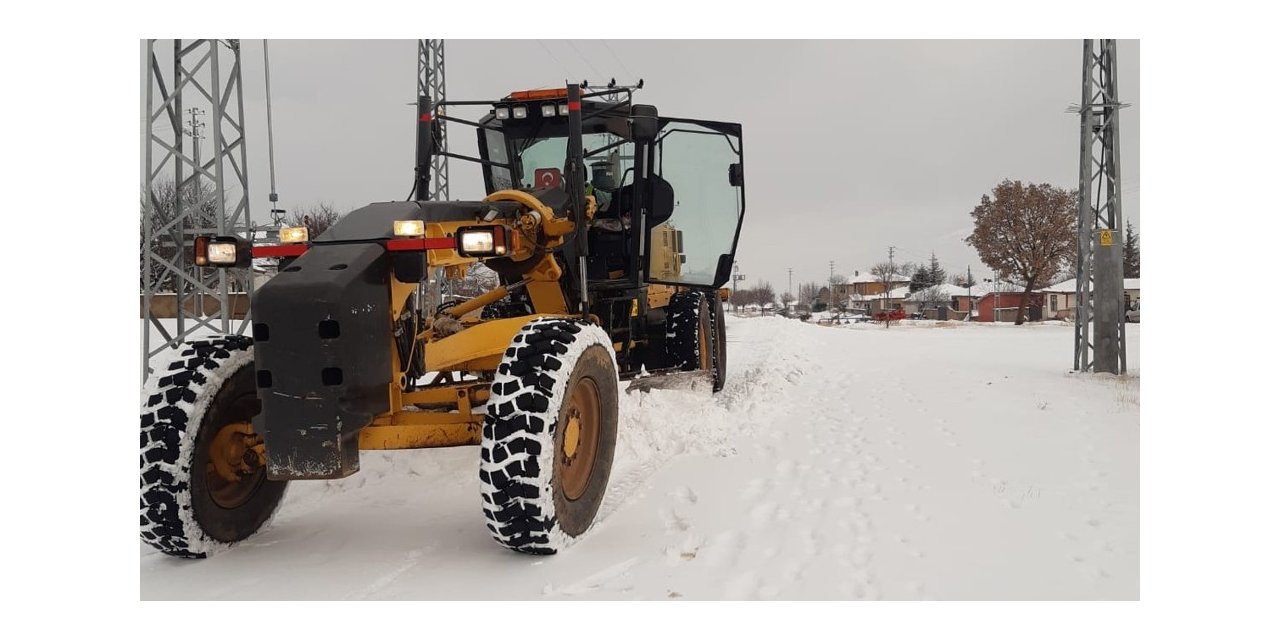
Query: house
{"points": [[895, 299], [1002, 306], [1060, 299], [869, 285], [944, 302]]}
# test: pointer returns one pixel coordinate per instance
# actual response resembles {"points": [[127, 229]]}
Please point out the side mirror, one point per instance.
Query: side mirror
{"points": [[735, 174], [644, 123]]}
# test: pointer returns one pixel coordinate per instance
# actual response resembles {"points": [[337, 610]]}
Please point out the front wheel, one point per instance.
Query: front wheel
{"points": [[550, 427], [204, 483]]}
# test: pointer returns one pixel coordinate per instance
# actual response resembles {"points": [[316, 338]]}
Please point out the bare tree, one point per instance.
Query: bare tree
{"points": [[787, 299], [764, 294], [810, 293], [933, 297], [316, 218], [885, 274], [741, 298], [963, 280], [907, 268], [836, 288], [1026, 231]]}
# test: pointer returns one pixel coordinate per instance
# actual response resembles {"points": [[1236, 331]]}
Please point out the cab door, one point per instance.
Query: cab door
{"points": [[702, 161]]}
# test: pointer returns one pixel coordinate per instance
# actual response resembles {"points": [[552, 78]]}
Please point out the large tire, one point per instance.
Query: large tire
{"points": [[550, 427], [718, 352], [188, 509], [695, 339]]}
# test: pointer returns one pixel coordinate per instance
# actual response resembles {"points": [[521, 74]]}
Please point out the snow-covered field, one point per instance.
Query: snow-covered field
{"points": [[924, 461]]}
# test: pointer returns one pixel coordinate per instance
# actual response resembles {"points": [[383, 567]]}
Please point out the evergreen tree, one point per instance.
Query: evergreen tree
{"points": [[937, 275], [920, 279], [1132, 255]]}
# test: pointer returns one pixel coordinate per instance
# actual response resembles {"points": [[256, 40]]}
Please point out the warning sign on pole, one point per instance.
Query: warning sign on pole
{"points": [[1104, 237]]}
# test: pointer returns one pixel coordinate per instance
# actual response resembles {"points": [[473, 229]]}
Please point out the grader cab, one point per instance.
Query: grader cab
{"points": [[612, 229]]}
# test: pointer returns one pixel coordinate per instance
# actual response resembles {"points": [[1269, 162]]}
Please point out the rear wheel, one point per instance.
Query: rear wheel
{"points": [[695, 335], [547, 446], [203, 476]]}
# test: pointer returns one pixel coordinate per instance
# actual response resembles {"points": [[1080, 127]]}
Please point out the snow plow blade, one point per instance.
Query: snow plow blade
{"points": [[685, 380]]}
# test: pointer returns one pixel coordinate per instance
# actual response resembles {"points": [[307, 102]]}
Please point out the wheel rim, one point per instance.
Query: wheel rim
{"points": [[235, 467], [577, 455], [704, 353]]}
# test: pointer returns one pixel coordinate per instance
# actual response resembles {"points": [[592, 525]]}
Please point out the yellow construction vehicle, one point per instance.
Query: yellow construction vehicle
{"points": [[611, 229]]}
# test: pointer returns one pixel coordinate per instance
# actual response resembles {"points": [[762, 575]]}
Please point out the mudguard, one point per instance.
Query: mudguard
{"points": [[322, 334]]}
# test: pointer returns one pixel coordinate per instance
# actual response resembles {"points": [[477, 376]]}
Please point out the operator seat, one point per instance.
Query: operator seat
{"points": [[610, 232]]}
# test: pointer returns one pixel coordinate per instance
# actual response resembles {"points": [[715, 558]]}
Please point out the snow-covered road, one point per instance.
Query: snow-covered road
{"points": [[853, 462]]}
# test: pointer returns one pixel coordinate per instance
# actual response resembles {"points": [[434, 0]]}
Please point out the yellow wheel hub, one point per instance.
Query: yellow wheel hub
{"points": [[572, 432], [236, 451]]}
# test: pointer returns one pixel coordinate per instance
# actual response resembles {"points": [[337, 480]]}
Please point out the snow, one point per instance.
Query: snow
{"points": [[1069, 286], [945, 290], [924, 461]]}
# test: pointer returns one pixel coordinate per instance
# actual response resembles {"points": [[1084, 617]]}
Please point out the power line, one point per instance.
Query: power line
{"points": [[586, 60], [615, 57], [553, 57]]}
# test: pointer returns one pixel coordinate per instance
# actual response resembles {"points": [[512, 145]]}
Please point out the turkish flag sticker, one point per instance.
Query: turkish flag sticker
{"points": [[546, 178]]}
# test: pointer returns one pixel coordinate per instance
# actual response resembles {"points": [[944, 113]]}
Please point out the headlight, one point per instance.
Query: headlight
{"points": [[519, 112], [292, 235], [410, 228], [564, 109], [222, 254], [501, 113], [548, 110], [222, 251], [478, 242]]}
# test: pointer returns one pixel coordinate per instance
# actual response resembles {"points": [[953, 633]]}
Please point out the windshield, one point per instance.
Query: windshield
{"points": [[539, 163]]}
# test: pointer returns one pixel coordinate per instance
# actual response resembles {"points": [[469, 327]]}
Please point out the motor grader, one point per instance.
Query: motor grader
{"points": [[612, 230]]}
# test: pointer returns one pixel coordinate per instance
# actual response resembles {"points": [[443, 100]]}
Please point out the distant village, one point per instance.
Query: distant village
{"points": [[863, 295]]}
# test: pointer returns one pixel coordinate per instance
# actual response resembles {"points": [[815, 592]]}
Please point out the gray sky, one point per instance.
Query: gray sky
{"points": [[850, 146]]}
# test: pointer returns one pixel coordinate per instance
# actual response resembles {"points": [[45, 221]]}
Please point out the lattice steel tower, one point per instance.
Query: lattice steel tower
{"points": [[431, 86], [195, 73], [1099, 317]]}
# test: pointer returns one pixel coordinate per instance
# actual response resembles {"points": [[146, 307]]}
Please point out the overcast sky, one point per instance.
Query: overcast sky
{"points": [[850, 146]]}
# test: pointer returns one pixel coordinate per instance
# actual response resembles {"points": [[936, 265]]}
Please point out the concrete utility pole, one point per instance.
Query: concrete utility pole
{"points": [[969, 300], [789, 282], [888, 283], [1099, 317], [736, 277], [831, 284]]}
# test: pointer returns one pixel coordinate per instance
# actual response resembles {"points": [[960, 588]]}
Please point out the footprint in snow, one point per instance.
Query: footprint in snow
{"points": [[684, 495]]}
